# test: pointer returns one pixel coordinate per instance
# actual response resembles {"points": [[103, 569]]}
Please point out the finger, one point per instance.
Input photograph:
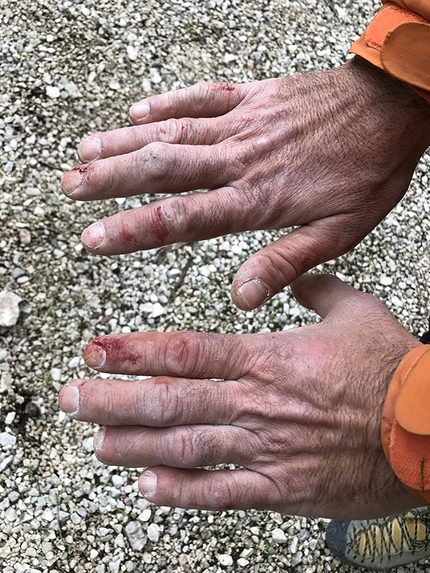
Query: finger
{"points": [[201, 100], [276, 266], [184, 354], [184, 131], [324, 293], [174, 219], [214, 490], [157, 168], [181, 447], [155, 402]]}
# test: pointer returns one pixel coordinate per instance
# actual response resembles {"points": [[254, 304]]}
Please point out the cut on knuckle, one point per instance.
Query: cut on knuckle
{"points": [[172, 130]]}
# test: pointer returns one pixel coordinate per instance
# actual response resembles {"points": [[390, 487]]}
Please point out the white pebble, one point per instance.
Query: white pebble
{"points": [[74, 362], [7, 439], [53, 92], [225, 560], [278, 535], [9, 309], [153, 532], [385, 281]]}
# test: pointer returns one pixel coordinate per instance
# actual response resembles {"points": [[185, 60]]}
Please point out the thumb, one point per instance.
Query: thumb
{"points": [[326, 294], [278, 265]]}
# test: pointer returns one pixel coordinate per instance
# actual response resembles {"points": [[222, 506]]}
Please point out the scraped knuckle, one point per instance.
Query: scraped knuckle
{"points": [[172, 130], [154, 159]]}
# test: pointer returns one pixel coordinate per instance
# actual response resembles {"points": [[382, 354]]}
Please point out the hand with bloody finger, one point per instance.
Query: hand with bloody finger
{"points": [[327, 152], [299, 411]]}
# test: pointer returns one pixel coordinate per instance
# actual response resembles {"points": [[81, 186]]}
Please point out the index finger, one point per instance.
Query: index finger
{"points": [[188, 354]]}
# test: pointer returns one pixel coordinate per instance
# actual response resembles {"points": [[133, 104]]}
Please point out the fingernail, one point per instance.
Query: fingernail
{"points": [[147, 483], [95, 355], [89, 149], [69, 399], [71, 181], [254, 293], [99, 439], [94, 235], [139, 110]]}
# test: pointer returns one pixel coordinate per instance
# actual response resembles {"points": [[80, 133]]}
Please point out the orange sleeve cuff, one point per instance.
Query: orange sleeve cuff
{"points": [[405, 426], [398, 41]]}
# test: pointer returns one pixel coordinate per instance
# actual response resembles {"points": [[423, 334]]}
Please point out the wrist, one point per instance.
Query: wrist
{"points": [[403, 107]]}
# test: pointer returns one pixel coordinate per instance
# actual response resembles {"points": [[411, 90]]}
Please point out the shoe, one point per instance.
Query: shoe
{"points": [[383, 543]]}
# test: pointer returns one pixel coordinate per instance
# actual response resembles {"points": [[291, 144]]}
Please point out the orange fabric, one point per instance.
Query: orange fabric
{"points": [[385, 21], [421, 7], [412, 40], [407, 452], [398, 41], [414, 415]]}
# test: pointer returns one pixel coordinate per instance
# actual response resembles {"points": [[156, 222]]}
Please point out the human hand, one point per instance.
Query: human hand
{"points": [[299, 410], [330, 152]]}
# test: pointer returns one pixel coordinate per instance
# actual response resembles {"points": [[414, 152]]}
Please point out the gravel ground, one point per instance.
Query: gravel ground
{"points": [[68, 69]]}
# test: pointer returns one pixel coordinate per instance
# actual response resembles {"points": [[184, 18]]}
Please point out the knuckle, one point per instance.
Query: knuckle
{"points": [[161, 405], [219, 494], [188, 449], [172, 130], [153, 159], [182, 354]]}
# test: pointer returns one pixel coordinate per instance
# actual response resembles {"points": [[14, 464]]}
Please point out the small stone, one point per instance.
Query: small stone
{"points": [[278, 535], [225, 560], [157, 310], [132, 53], [10, 514], [9, 309], [7, 439], [55, 374], [296, 559], [53, 92], [74, 362], [117, 481], [385, 281], [135, 535], [153, 532], [294, 545], [154, 76], [5, 382], [145, 515], [25, 237]]}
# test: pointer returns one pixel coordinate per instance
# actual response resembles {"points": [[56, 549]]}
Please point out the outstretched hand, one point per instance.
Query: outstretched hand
{"points": [[328, 152], [298, 410]]}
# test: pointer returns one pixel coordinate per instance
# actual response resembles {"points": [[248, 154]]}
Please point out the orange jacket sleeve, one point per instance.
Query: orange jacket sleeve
{"points": [[405, 425], [398, 41]]}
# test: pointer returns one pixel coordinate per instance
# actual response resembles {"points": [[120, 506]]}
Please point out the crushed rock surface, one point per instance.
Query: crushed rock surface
{"points": [[68, 69]]}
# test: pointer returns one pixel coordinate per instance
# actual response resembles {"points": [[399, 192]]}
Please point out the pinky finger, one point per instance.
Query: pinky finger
{"points": [[208, 489]]}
